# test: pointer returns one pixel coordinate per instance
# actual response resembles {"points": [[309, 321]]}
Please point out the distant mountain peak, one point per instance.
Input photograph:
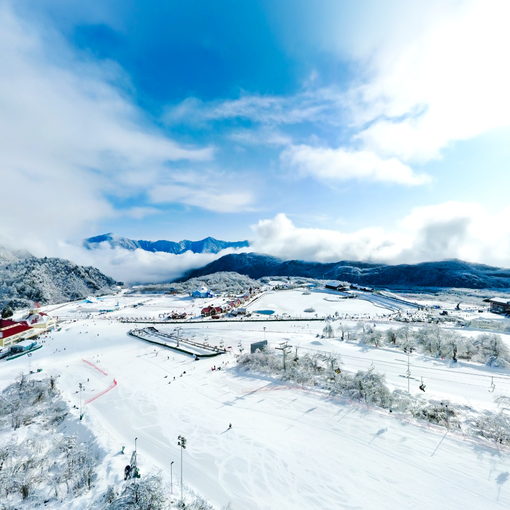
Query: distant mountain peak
{"points": [[206, 245]]}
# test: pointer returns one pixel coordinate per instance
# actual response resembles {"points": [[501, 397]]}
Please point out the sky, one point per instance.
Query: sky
{"points": [[320, 130]]}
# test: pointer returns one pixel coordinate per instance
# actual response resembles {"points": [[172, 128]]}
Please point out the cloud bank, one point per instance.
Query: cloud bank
{"points": [[341, 165], [139, 266], [444, 231], [450, 230]]}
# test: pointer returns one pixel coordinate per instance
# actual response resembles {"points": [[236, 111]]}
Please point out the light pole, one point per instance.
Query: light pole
{"points": [[181, 441], [81, 388], [171, 478], [408, 372], [284, 346]]}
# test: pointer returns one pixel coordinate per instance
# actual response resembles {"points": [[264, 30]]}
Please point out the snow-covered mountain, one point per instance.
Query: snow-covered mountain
{"points": [[207, 245], [25, 279], [448, 273]]}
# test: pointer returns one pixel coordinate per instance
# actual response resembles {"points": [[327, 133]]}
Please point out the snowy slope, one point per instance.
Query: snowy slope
{"points": [[448, 273], [289, 447], [46, 280]]}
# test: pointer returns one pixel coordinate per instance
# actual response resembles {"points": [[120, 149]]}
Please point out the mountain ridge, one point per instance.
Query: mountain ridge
{"points": [[25, 279], [206, 245], [451, 273]]}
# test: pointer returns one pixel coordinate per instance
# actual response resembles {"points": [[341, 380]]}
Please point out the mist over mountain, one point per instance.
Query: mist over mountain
{"points": [[448, 273], [207, 245]]}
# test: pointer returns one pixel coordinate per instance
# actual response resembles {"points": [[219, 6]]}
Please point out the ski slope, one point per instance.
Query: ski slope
{"points": [[289, 447]]}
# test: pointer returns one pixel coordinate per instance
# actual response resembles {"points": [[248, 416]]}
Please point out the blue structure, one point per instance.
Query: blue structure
{"points": [[24, 345], [203, 292]]}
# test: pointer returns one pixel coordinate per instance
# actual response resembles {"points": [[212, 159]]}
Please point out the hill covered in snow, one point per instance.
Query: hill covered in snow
{"points": [[222, 282], [26, 279], [448, 273], [207, 245]]}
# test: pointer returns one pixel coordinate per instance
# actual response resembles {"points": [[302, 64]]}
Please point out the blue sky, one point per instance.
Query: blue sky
{"points": [[367, 125]]}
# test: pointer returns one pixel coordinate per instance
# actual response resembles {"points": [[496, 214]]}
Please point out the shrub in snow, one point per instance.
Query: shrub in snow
{"points": [[402, 401], [373, 337], [439, 413], [491, 350], [322, 370], [328, 332], [7, 312], [365, 386], [48, 464], [438, 342], [139, 494], [198, 503], [494, 426], [267, 362]]}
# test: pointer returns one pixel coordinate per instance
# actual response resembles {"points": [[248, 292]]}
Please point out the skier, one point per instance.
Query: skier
{"points": [[422, 387], [229, 426]]}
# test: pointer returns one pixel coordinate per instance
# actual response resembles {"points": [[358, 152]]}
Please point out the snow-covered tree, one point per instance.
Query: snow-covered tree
{"points": [[144, 493], [328, 332], [491, 350], [495, 427]]}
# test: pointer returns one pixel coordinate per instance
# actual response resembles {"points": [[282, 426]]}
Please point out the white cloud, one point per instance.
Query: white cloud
{"points": [[213, 190], [211, 196], [309, 105], [443, 82], [68, 138], [450, 230], [425, 77], [260, 136], [342, 164], [140, 212], [139, 266]]}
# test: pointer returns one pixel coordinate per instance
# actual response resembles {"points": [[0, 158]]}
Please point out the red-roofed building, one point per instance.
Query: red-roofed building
{"points": [[211, 310], [13, 331]]}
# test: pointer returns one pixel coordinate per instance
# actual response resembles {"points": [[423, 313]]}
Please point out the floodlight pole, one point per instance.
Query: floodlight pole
{"points": [[181, 441], [408, 372], [81, 387], [283, 347], [171, 477]]}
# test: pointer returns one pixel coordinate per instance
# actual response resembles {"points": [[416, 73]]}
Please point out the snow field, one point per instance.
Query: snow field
{"points": [[289, 448], [294, 303]]}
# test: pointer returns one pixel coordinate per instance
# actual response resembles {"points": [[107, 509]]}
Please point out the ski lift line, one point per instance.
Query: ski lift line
{"points": [[418, 367]]}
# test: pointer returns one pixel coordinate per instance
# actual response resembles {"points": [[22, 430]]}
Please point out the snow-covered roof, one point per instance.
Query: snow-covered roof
{"points": [[34, 318], [26, 343], [335, 283], [499, 301]]}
